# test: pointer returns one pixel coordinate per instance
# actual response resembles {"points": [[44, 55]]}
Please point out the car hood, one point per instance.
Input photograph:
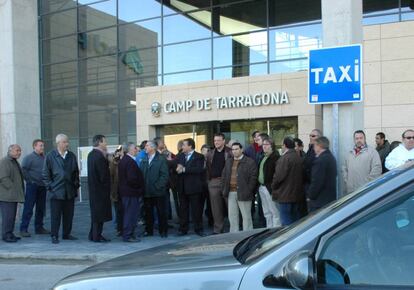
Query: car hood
{"points": [[203, 253]]}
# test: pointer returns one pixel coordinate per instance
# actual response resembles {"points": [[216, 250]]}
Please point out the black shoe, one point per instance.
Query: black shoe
{"points": [[148, 234], [16, 237], [42, 231], [10, 240], [119, 234], [200, 233], [164, 235], [104, 240], [180, 233], [132, 240], [55, 240], [69, 237]]}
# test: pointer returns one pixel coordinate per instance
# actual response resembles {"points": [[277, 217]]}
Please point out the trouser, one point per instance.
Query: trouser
{"points": [[289, 212], [95, 233], [244, 207], [35, 195], [193, 201], [270, 211], [217, 204], [8, 218], [131, 209], [118, 215], [61, 210], [176, 202], [160, 205], [206, 205]]}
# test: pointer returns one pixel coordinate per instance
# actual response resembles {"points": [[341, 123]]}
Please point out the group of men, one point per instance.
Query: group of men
{"points": [[226, 179]]}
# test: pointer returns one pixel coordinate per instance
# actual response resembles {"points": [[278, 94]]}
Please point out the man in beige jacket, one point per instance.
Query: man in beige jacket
{"points": [[11, 191], [362, 164]]}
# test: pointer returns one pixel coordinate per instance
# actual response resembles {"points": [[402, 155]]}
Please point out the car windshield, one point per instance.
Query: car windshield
{"points": [[259, 244]]}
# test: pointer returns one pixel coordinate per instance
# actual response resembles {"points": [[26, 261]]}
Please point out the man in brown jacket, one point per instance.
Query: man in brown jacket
{"points": [[11, 191], [215, 164], [239, 185], [287, 183]]}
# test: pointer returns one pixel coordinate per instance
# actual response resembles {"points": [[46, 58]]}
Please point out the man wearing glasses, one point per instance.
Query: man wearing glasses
{"points": [[403, 153], [310, 156]]}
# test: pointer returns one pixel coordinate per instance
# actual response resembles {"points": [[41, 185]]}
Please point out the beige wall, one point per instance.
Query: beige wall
{"points": [[295, 84], [389, 79]]}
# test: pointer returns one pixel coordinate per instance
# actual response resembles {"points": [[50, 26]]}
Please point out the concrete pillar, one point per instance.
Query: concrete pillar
{"points": [[342, 25], [19, 74]]}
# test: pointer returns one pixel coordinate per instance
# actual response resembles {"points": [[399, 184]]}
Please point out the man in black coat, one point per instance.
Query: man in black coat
{"points": [[99, 186], [191, 178], [322, 188], [310, 157], [131, 190], [61, 178]]}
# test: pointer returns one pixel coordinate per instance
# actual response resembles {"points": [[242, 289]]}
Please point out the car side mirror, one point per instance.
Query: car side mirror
{"points": [[299, 270]]}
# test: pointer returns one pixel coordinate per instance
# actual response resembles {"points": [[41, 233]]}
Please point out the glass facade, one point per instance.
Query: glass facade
{"points": [[94, 54]]}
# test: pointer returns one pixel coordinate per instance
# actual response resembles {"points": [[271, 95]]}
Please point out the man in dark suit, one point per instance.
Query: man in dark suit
{"points": [[322, 189], [61, 178], [131, 190], [99, 186], [155, 170], [191, 178]]}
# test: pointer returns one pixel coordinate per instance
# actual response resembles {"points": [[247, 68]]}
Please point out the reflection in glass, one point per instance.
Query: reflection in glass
{"points": [[240, 49], [140, 63], [407, 5], [185, 27], [59, 49], [128, 120], [60, 101], [240, 71], [187, 56], [407, 16], [59, 24], [97, 15], [60, 75], [47, 6], [62, 123], [188, 77], [177, 6], [283, 12], [289, 65], [99, 122], [98, 69], [98, 42], [133, 10], [140, 34], [97, 96], [240, 17], [380, 19], [294, 42], [372, 7]]}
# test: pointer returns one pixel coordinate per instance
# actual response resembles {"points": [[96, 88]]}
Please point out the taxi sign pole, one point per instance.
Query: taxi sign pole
{"points": [[335, 140]]}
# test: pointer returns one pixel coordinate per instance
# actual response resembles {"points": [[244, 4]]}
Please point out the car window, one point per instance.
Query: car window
{"points": [[377, 249]]}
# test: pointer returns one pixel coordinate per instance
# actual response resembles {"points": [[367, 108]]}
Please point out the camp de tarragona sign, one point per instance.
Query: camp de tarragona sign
{"points": [[241, 101]]}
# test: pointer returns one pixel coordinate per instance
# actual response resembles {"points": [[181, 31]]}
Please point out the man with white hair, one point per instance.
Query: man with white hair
{"points": [[61, 178], [11, 191]]}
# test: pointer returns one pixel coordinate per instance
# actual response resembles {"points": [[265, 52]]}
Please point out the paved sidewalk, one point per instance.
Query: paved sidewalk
{"points": [[39, 247]]}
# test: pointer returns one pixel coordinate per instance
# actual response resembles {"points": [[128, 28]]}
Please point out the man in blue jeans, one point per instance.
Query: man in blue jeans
{"points": [[32, 166]]}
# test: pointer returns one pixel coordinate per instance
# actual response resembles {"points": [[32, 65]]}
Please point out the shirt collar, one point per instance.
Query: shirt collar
{"points": [[64, 154], [130, 155], [240, 158]]}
